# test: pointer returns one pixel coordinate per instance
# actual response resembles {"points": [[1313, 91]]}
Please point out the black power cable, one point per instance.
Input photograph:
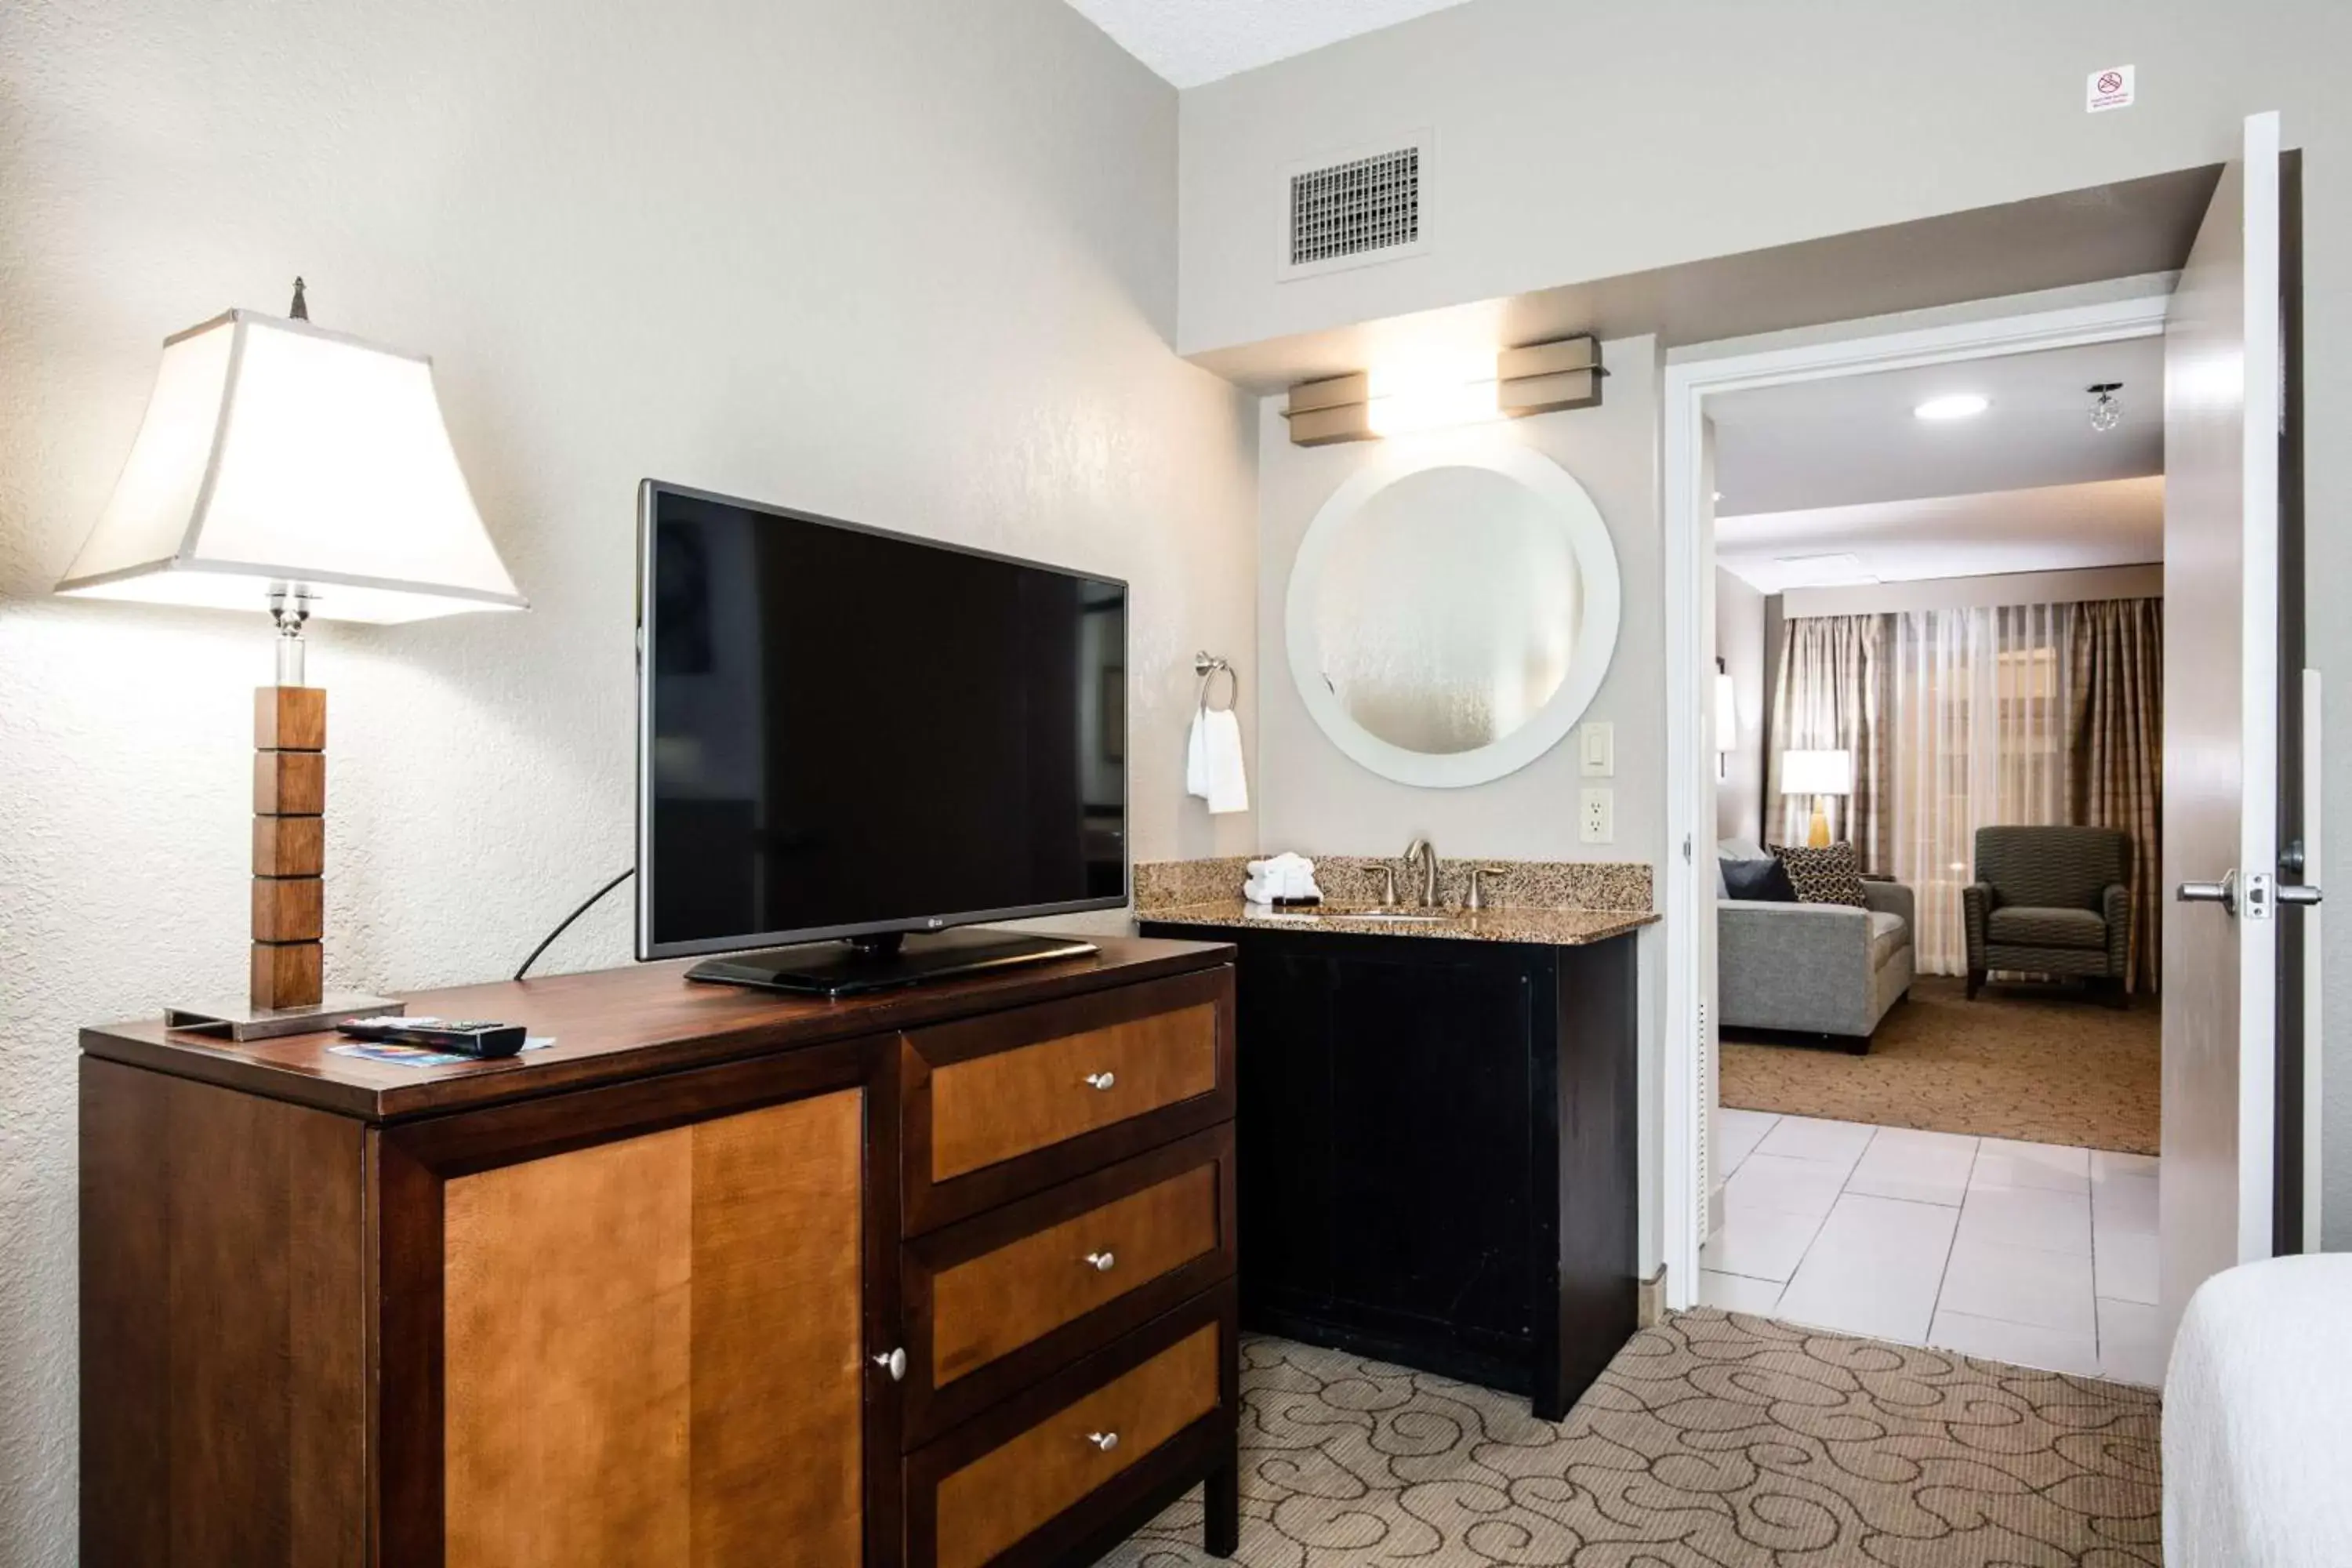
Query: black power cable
{"points": [[574, 915]]}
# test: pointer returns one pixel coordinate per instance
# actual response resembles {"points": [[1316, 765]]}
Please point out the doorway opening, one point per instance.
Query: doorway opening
{"points": [[1938, 625], [2227, 1082]]}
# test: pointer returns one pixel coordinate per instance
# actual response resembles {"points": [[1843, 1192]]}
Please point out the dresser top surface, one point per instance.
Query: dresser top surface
{"points": [[613, 1025]]}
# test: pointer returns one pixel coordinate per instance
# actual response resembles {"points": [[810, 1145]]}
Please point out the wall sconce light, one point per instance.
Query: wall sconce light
{"points": [[1324, 412], [1545, 378], [1727, 720], [1539, 378]]}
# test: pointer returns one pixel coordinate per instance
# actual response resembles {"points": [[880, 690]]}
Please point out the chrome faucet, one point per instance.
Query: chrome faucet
{"points": [[1427, 853]]}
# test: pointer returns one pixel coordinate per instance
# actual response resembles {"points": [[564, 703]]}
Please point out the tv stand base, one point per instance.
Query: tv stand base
{"points": [[885, 961]]}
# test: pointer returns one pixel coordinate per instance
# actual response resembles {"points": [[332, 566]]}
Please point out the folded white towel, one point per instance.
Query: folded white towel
{"points": [[1213, 761], [1284, 876]]}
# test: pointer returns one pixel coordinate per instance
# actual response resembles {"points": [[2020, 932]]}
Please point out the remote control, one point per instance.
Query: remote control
{"points": [[470, 1037]]}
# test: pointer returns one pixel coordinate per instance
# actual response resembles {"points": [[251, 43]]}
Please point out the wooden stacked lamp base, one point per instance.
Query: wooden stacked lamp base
{"points": [[286, 994], [290, 844]]}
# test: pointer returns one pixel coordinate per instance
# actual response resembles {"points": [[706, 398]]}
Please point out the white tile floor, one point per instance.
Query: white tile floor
{"points": [[2028, 1253]]}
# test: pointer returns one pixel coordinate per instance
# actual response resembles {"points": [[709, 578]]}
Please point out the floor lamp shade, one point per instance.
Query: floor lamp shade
{"points": [[274, 454], [1816, 773], [286, 468]]}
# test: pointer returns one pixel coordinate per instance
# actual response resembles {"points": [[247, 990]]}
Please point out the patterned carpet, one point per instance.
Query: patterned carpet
{"points": [[2032, 1062], [1713, 1441]]}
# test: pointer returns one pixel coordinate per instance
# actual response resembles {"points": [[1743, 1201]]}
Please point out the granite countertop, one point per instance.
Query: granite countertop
{"points": [[1540, 927]]}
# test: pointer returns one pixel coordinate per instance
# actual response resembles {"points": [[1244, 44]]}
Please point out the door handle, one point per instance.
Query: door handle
{"points": [[2298, 894], [894, 1362], [2223, 892]]}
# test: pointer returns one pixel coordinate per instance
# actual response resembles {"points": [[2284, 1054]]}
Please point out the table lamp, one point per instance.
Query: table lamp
{"points": [[287, 469], [1819, 775]]}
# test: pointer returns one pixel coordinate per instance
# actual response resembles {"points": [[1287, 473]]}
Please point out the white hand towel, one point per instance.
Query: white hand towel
{"points": [[1216, 746], [1284, 876]]}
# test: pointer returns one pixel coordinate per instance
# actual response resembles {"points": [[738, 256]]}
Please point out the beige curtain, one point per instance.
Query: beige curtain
{"points": [[2116, 750], [1832, 697]]}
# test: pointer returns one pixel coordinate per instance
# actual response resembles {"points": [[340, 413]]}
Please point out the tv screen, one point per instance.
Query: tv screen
{"points": [[845, 732]]}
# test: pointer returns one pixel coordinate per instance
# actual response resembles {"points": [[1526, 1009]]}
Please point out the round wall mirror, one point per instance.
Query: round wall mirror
{"points": [[1450, 617]]}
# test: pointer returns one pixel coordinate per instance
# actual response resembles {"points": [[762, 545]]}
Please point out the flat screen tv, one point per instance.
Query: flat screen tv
{"points": [[847, 736]]}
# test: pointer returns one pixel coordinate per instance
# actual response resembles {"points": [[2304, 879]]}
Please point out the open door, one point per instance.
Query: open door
{"points": [[2224, 413]]}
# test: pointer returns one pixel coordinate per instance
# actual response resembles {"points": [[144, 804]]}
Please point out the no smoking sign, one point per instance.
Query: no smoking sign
{"points": [[2110, 89]]}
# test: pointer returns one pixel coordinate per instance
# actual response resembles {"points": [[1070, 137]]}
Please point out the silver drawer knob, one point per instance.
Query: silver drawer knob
{"points": [[1105, 1441], [894, 1362], [1101, 1079], [1100, 1262]]}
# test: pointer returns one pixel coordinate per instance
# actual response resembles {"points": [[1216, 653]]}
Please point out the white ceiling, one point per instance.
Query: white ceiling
{"points": [[1189, 42], [1853, 440], [2116, 522]]}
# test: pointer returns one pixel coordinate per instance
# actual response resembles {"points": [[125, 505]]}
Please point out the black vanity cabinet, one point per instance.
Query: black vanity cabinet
{"points": [[1436, 1151]]}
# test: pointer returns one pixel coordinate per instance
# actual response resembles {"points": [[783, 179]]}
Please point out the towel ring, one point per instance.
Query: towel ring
{"points": [[1208, 667]]}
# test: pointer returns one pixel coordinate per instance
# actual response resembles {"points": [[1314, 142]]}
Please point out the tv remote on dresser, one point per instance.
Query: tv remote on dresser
{"points": [[471, 1037]]}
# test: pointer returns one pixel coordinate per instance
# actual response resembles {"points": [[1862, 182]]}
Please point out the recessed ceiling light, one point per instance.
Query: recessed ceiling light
{"points": [[1959, 405]]}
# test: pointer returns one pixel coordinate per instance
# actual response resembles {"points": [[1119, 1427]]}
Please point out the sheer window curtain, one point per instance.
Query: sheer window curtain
{"points": [[1980, 708], [2026, 715]]}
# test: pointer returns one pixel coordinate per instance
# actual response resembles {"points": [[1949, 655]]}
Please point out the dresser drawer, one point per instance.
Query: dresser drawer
{"points": [[1043, 1471], [998, 1301], [1006, 1105]]}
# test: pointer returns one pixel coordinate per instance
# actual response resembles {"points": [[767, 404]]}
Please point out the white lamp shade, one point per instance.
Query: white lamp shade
{"points": [[1727, 714], [1817, 773], [275, 454]]}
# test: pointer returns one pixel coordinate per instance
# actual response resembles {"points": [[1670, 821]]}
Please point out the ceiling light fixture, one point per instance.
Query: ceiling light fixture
{"points": [[1958, 405], [2106, 410]]}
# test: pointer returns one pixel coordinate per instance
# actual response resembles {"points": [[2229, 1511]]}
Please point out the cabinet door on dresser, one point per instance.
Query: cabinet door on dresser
{"points": [[651, 1306]]}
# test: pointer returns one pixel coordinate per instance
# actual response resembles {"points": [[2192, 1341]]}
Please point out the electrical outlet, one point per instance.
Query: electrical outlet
{"points": [[1596, 817], [1597, 749]]}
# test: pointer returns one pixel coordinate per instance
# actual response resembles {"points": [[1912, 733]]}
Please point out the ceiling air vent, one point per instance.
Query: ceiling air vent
{"points": [[1356, 209]]}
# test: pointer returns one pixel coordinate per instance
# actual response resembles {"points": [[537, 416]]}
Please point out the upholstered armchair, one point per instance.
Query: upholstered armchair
{"points": [[2051, 901]]}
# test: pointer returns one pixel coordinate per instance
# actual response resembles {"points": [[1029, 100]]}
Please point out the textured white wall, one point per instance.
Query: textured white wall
{"points": [[1582, 142], [909, 261]]}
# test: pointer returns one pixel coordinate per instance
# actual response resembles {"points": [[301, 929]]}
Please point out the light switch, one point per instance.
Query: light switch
{"points": [[1598, 756], [1596, 816]]}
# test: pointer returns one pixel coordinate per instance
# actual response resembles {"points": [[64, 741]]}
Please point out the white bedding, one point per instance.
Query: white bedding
{"points": [[2258, 1420]]}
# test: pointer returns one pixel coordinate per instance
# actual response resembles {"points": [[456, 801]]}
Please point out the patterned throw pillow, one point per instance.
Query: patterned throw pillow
{"points": [[1830, 875]]}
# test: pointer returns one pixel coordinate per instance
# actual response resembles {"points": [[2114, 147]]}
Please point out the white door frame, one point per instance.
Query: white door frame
{"points": [[1690, 635]]}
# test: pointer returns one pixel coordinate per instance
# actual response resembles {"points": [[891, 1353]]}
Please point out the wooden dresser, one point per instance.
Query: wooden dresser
{"points": [[939, 1278]]}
